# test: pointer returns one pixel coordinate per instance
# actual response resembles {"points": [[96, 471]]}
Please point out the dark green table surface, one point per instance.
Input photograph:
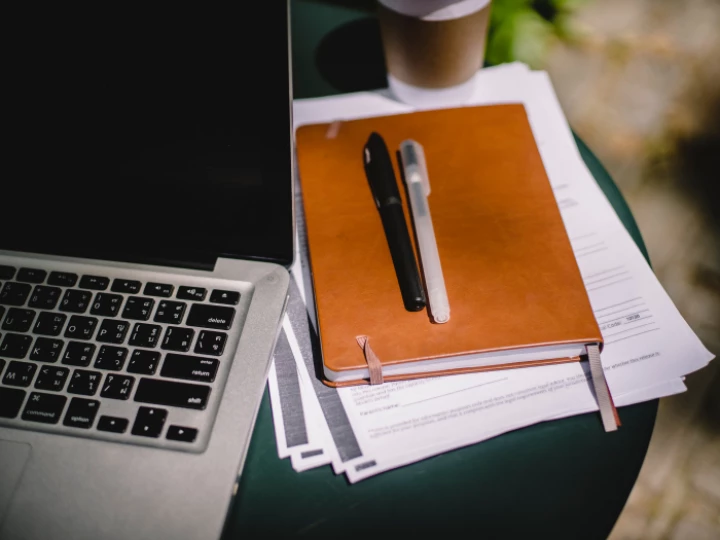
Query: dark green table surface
{"points": [[560, 479]]}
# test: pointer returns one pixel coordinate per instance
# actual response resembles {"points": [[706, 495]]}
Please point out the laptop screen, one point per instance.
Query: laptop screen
{"points": [[161, 137]]}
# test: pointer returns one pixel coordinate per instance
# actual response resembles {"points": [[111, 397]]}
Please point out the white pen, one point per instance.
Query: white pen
{"points": [[416, 177]]}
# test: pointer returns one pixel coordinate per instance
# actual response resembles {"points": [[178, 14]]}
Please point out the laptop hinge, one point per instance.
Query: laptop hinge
{"points": [[191, 260]]}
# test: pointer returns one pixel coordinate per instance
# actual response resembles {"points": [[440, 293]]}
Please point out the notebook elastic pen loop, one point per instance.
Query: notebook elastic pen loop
{"points": [[373, 362], [333, 130]]}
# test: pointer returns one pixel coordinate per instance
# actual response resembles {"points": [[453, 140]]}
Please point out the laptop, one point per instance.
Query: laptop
{"points": [[146, 205]]}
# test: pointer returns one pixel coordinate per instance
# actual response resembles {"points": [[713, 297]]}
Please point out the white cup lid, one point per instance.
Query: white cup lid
{"points": [[435, 10]]}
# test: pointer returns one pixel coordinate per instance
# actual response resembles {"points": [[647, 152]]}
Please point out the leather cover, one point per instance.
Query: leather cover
{"points": [[511, 276]]}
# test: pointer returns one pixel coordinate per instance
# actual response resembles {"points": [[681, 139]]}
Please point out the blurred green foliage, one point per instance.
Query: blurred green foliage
{"points": [[524, 29]]}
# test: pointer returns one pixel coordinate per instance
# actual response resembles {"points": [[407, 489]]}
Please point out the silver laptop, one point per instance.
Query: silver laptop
{"points": [[147, 224]]}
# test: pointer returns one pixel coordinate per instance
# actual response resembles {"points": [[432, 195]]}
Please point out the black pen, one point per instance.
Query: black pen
{"points": [[381, 177]]}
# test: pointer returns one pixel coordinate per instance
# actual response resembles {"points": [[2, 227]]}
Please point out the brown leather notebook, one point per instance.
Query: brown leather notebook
{"points": [[515, 292]]}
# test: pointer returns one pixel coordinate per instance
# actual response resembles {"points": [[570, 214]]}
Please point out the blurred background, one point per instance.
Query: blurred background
{"points": [[639, 81]]}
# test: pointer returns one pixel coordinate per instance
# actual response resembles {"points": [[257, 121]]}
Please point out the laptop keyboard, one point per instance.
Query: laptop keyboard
{"points": [[112, 358]]}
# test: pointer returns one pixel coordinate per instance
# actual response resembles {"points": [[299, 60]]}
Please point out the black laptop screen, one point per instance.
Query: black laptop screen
{"points": [[155, 137]]}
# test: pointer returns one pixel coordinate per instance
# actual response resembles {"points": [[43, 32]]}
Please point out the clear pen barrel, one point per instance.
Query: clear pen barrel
{"points": [[430, 258]]}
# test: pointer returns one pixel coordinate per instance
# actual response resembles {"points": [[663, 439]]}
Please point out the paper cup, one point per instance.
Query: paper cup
{"points": [[433, 48]]}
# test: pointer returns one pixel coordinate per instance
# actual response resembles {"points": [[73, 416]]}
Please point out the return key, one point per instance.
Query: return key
{"points": [[191, 368]]}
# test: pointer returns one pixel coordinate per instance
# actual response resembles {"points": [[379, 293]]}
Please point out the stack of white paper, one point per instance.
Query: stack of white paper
{"points": [[363, 431]]}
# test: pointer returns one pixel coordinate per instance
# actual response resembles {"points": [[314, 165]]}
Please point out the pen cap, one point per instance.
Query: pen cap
{"points": [[413, 158], [379, 171]]}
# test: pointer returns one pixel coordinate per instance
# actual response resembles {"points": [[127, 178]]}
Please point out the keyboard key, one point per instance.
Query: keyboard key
{"points": [[75, 301], [44, 297], [181, 433], [192, 293], [81, 413], [95, 283], [106, 305], [126, 286], [117, 387], [44, 408], [145, 335], [212, 343], [18, 320], [173, 394], [149, 422], [15, 294], [170, 312], [138, 308], [6, 272], [19, 374], [31, 275], [2, 364], [11, 400], [159, 289], [62, 279], [178, 338], [15, 345], [78, 354], [84, 382], [2, 312], [81, 327], [143, 362], [113, 424], [49, 324], [46, 350], [225, 297], [52, 378], [192, 368], [215, 317], [113, 331], [112, 358]]}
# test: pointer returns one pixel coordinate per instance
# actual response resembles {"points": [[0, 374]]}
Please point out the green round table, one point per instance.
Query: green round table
{"points": [[561, 479]]}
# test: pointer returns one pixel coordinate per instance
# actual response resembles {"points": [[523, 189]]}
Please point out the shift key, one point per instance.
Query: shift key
{"points": [[207, 316], [172, 394]]}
